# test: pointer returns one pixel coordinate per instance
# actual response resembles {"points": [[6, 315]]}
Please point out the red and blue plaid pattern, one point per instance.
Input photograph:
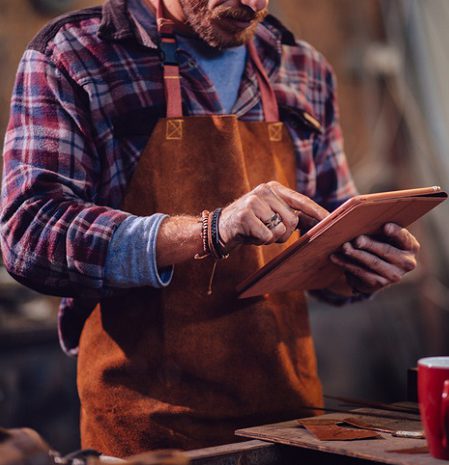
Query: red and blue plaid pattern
{"points": [[87, 94]]}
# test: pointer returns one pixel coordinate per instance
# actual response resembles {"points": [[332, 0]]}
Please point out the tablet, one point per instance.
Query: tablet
{"points": [[305, 265]]}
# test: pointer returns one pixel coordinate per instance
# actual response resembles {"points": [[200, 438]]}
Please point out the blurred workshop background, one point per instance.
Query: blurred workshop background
{"points": [[391, 60]]}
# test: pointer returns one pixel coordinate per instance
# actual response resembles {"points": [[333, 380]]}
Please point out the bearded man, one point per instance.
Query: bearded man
{"points": [[127, 122]]}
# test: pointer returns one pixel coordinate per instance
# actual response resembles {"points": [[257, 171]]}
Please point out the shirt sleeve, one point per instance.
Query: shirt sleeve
{"points": [[334, 183], [131, 258], [54, 238]]}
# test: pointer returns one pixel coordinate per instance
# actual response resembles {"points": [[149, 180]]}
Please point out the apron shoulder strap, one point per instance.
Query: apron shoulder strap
{"points": [[267, 95], [171, 74]]}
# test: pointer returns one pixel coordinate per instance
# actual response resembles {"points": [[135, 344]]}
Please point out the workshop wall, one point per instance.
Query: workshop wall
{"points": [[341, 29]]}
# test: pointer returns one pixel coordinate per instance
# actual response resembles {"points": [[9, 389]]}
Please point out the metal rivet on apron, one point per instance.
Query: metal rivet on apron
{"points": [[275, 132], [174, 129]]}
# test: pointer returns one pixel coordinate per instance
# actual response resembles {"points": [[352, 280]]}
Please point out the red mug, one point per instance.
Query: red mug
{"points": [[433, 395]]}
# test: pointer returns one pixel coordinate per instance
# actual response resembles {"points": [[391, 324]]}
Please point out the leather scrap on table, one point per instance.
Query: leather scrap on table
{"points": [[318, 421], [339, 433]]}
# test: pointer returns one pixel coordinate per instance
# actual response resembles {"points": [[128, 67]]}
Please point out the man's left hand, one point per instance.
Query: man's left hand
{"points": [[371, 263]]}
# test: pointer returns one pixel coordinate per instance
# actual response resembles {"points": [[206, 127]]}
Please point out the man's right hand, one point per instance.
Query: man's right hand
{"points": [[246, 220], [241, 222]]}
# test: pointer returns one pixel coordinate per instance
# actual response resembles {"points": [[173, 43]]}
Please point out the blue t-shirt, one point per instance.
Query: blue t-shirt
{"points": [[224, 67]]}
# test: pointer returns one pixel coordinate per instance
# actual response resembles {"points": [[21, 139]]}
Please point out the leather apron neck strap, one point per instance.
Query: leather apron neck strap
{"points": [[267, 96], [172, 77], [171, 74]]}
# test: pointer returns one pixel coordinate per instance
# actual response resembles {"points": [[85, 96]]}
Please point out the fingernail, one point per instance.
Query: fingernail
{"points": [[389, 228], [347, 247]]}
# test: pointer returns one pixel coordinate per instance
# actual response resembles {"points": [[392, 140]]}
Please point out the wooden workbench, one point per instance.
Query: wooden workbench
{"points": [[287, 444]]}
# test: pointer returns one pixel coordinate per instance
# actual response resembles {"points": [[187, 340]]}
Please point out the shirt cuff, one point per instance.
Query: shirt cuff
{"points": [[131, 257]]}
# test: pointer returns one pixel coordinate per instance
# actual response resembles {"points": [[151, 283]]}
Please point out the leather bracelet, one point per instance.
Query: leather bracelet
{"points": [[210, 243], [216, 245]]}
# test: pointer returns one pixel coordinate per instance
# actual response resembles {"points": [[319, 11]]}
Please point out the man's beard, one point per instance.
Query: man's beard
{"points": [[205, 22]]}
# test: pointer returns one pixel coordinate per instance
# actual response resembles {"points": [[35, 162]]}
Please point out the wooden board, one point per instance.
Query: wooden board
{"points": [[378, 450]]}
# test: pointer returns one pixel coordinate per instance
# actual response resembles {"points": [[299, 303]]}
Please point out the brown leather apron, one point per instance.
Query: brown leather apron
{"points": [[175, 367]]}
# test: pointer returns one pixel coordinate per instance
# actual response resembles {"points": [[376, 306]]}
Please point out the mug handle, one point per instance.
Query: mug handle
{"points": [[445, 413]]}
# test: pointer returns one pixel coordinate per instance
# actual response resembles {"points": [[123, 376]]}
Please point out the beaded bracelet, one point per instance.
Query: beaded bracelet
{"points": [[204, 222]]}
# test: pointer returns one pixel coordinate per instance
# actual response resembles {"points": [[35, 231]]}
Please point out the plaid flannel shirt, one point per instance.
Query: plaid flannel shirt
{"points": [[88, 92]]}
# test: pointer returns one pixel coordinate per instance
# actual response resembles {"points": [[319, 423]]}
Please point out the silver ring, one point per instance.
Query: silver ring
{"points": [[274, 221]]}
